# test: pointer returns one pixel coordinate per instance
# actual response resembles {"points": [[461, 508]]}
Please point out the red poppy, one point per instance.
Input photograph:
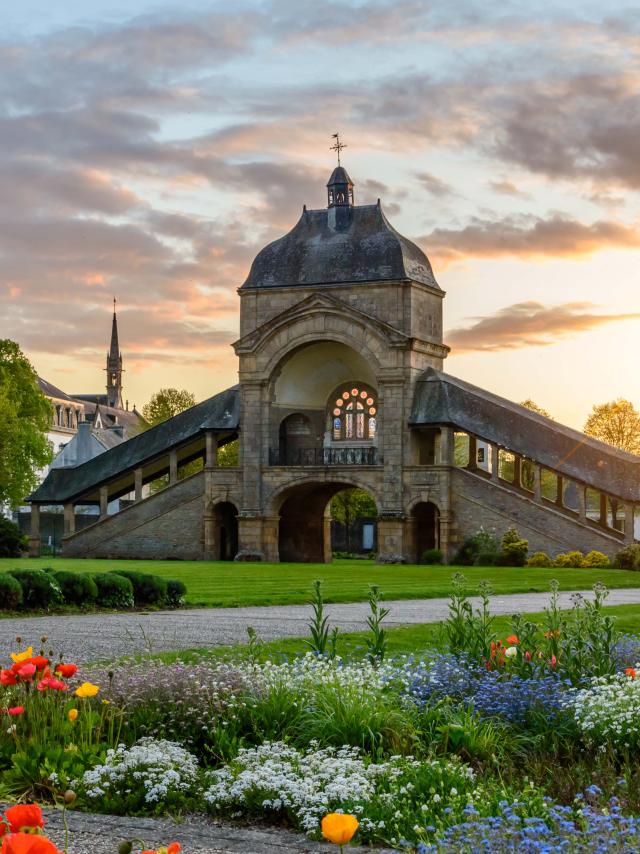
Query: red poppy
{"points": [[52, 683], [553, 661], [7, 677], [513, 640], [28, 843], [631, 672], [527, 655], [24, 815], [15, 711], [66, 670], [40, 662], [3, 829], [27, 671]]}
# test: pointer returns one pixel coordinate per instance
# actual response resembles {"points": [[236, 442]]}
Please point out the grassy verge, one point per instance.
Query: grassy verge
{"points": [[404, 640], [220, 584]]}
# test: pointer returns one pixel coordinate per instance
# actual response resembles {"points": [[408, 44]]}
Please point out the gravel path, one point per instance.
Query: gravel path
{"points": [[95, 637], [101, 834]]}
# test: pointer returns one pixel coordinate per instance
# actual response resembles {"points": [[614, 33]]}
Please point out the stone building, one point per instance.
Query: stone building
{"points": [[341, 384]]}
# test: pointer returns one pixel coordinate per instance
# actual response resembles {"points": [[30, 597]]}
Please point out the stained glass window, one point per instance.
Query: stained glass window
{"points": [[354, 415]]}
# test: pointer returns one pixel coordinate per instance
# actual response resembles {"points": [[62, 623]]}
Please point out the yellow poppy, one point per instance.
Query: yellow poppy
{"points": [[339, 828], [87, 689], [22, 656], [72, 714]]}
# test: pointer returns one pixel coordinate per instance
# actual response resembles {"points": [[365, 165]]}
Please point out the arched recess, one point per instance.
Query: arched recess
{"points": [[425, 523], [304, 531], [296, 435], [225, 531]]}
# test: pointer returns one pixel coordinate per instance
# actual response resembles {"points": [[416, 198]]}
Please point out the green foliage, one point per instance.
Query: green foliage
{"points": [[114, 590], [29, 776], [376, 637], [25, 415], [468, 631], [514, 549], [10, 592], [319, 625], [77, 589], [147, 589], [541, 559], [432, 557], [628, 557], [12, 542], [39, 589], [176, 592], [349, 505], [482, 549], [229, 454], [573, 559], [166, 403], [596, 559]]}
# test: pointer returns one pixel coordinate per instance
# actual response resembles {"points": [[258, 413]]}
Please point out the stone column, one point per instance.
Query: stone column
{"points": [[446, 446], [517, 470], [537, 483], [270, 534], [603, 510], [392, 434], [390, 538], [473, 453], [211, 449], [495, 461], [173, 467], [69, 519], [629, 522], [104, 502], [34, 533], [210, 538], [582, 502], [559, 490], [137, 481], [250, 545]]}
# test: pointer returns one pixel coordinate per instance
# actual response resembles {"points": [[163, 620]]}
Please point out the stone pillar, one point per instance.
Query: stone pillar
{"points": [[137, 481], [173, 466], [69, 519], [559, 490], [495, 462], [211, 449], [446, 446], [210, 538], [326, 535], [249, 536], [603, 510], [537, 483], [34, 533], [254, 409], [629, 522], [393, 430], [390, 538], [473, 453], [270, 535], [517, 470], [104, 502], [582, 502]]}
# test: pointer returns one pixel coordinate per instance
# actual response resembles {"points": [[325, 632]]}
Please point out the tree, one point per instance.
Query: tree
{"points": [[617, 423], [228, 455], [349, 505], [533, 406], [166, 403], [25, 417]]}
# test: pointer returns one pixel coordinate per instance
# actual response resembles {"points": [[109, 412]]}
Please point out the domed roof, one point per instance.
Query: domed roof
{"points": [[317, 251]]}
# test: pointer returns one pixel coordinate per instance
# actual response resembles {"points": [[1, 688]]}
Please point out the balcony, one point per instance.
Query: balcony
{"points": [[367, 456]]}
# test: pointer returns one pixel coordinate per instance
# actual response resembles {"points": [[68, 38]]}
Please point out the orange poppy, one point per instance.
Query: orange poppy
{"points": [[27, 843], [631, 672], [513, 639], [339, 828], [24, 815], [66, 670]]}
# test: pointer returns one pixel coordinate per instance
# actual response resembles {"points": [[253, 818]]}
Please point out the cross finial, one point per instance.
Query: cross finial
{"points": [[114, 305], [337, 146]]}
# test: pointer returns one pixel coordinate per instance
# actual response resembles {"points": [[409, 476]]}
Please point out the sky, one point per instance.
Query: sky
{"points": [[148, 150]]}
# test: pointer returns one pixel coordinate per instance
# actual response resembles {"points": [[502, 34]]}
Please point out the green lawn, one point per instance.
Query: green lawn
{"points": [[414, 639], [232, 584]]}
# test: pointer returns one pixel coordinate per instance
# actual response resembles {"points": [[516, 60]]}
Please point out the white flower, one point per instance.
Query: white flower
{"points": [[511, 652]]}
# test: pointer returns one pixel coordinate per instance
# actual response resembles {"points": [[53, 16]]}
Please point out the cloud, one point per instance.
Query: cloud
{"points": [[434, 185], [528, 237], [529, 324], [507, 188]]}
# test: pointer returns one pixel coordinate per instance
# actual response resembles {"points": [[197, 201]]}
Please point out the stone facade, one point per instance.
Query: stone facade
{"points": [[341, 321]]}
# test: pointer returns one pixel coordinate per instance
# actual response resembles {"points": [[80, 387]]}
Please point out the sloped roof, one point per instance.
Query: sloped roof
{"points": [[50, 390], [369, 249], [442, 399], [220, 412]]}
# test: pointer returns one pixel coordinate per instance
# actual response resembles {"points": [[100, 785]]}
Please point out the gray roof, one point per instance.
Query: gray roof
{"points": [[50, 390], [369, 249], [220, 412], [442, 399]]}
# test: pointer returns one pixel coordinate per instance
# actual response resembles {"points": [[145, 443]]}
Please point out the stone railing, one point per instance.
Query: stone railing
{"points": [[324, 457]]}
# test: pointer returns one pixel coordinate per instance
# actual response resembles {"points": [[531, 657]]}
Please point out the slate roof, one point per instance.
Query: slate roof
{"points": [[369, 249], [220, 412], [442, 399], [50, 390]]}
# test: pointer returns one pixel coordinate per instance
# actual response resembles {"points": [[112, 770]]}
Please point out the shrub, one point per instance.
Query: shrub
{"points": [[77, 588], [628, 557], [114, 591], [539, 559], [39, 589], [10, 592], [12, 542], [596, 559], [432, 556], [569, 559], [151, 776], [514, 549], [176, 592], [483, 543], [147, 589]]}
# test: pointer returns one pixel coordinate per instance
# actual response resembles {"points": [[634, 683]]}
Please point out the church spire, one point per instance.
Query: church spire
{"points": [[114, 366]]}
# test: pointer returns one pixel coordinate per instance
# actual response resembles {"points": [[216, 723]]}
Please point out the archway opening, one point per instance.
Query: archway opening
{"points": [[225, 515], [425, 521], [318, 519]]}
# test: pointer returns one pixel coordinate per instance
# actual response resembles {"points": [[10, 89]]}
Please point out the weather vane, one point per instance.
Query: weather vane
{"points": [[337, 146]]}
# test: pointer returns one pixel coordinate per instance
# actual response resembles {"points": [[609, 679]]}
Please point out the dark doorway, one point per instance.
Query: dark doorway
{"points": [[226, 516], [426, 528]]}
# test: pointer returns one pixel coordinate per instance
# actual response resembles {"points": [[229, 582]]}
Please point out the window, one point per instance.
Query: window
{"points": [[354, 414]]}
